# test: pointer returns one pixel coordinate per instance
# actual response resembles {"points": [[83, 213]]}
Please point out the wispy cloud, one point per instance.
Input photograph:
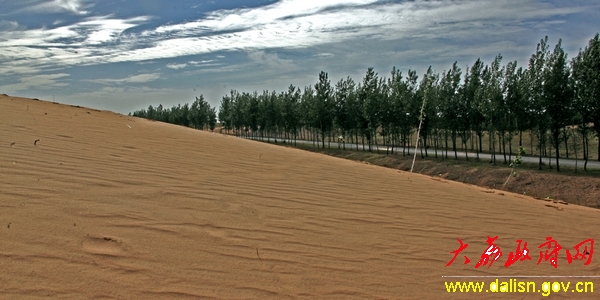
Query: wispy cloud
{"points": [[36, 81], [9, 25], [141, 78], [71, 5], [194, 63], [43, 6], [299, 24], [87, 32], [247, 18], [84, 43], [202, 62], [176, 66], [287, 24], [271, 60]]}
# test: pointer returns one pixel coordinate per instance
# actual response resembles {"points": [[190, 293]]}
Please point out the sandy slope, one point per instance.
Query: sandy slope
{"points": [[107, 206]]}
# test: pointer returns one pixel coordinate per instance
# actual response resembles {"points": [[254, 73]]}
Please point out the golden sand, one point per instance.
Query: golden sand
{"points": [[107, 206]]}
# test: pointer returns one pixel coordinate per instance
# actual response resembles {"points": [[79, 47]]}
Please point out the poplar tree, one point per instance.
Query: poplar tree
{"points": [[322, 117], [535, 76], [557, 96]]}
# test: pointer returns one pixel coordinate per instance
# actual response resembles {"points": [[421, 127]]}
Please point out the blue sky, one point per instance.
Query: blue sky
{"points": [[123, 55]]}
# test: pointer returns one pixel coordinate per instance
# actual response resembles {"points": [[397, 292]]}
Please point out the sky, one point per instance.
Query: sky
{"points": [[124, 55]]}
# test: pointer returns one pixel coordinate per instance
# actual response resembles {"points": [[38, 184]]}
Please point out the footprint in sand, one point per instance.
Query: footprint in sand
{"points": [[103, 246]]}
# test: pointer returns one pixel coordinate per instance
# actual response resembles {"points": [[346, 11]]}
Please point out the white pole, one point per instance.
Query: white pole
{"points": [[419, 131]]}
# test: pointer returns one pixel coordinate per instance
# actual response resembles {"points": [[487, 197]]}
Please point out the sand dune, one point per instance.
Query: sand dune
{"points": [[107, 206]]}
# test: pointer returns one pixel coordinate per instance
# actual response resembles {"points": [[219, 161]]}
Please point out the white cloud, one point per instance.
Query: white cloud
{"points": [[90, 31], [202, 62], [83, 43], [288, 24], [44, 6], [36, 81], [271, 60], [254, 17], [71, 5], [9, 25], [103, 30], [176, 66], [131, 79], [300, 24], [143, 78]]}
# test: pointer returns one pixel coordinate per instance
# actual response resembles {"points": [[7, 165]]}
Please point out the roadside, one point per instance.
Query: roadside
{"points": [[549, 185], [564, 162]]}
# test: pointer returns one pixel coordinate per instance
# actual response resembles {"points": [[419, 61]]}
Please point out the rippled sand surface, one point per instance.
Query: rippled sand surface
{"points": [[106, 206]]}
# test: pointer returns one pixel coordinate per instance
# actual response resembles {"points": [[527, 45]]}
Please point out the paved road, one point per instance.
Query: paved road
{"points": [[431, 152]]}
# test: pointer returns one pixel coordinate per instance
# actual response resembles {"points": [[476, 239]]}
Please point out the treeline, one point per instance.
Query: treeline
{"points": [[553, 99], [198, 115]]}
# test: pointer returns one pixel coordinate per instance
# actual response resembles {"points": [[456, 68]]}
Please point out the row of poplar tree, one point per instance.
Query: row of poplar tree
{"points": [[555, 99], [198, 115]]}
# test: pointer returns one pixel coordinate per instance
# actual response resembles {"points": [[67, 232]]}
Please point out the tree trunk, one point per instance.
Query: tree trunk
{"points": [[405, 146], [492, 148], [556, 135], [391, 141], [472, 141], [540, 164], [502, 145], [441, 142], [490, 143], [531, 143], [466, 150], [575, 150], [566, 137], [585, 150], [454, 144], [376, 143], [479, 135], [362, 139], [550, 157], [438, 140], [598, 134], [520, 138]]}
